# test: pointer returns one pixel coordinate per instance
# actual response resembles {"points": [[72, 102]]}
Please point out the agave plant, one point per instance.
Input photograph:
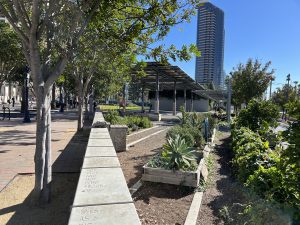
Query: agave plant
{"points": [[178, 155]]}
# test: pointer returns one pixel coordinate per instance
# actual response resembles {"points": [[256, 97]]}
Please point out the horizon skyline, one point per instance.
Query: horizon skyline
{"points": [[248, 37]]}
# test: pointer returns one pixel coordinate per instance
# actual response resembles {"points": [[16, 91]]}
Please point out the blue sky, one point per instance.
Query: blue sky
{"points": [[262, 29]]}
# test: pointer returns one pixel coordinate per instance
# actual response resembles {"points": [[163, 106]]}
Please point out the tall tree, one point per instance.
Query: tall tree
{"points": [[282, 96], [11, 57], [250, 81], [112, 44], [50, 31]]}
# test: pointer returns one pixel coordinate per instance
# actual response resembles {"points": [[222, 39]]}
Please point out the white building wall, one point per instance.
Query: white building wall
{"points": [[16, 92], [166, 104]]}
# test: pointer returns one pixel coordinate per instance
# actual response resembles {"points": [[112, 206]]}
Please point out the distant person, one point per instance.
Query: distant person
{"points": [[150, 107], [95, 105], [74, 103], [13, 102]]}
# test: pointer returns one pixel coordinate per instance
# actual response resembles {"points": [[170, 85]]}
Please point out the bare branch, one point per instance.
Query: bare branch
{"points": [[13, 23], [21, 17]]}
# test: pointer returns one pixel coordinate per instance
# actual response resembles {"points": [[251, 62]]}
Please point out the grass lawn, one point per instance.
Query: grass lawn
{"points": [[116, 107]]}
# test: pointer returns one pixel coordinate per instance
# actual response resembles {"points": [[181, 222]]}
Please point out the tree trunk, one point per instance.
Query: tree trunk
{"points": [[42, 158], [80, 112], [86, 104], [53, 106]]}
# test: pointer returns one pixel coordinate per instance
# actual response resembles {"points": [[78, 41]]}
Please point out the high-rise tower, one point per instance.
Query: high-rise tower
{"points": [[210, 42]]}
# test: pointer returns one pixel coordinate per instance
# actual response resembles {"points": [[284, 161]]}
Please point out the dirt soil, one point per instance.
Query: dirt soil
{"points": [[156, 204], [221, 190], [16, 207]]}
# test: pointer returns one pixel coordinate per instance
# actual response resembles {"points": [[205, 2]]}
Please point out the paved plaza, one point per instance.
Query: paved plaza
{"points": [[17, 147]]}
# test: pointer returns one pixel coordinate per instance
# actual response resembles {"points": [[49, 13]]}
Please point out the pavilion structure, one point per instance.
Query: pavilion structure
{"points": [[159, 77]]}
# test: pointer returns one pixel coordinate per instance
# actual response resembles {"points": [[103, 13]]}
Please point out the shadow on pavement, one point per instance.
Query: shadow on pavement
{"points": [[65, 177]]}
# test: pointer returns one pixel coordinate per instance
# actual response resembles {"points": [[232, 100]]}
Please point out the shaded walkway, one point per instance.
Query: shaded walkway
{"points": [[17, 147]]}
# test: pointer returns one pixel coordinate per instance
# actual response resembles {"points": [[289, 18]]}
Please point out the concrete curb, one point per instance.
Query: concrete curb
{"points": [[192, 215], [139, 132], [150, 135]]}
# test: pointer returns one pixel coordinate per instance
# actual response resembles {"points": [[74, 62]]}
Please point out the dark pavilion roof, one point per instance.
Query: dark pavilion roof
{"points": [[168, 74]]}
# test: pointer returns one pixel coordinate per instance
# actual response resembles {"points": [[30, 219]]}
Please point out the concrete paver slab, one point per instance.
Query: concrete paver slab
{"points": [[116, 214], [101, 186], [99, 130], [100, 162], [99, 135], [100, 151], [100, 142]]}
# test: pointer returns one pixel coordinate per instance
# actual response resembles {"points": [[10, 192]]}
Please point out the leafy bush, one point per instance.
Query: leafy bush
{"points": [[267, 182], [184, 132], [145, 122], [258, 113], [112, 117], [290, 165], [250, 152], [272, 174], [191, 135], [133, 122], [252, 210], [294, 109]]}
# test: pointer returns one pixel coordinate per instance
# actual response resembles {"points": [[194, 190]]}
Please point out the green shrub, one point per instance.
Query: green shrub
{"points": [[112, 117], [186, 133], [250, 152], [258, 113], [272, 174], [145, 122], [133, 122], [290, 165], [254, 211], [197, 135], [268, 183]]}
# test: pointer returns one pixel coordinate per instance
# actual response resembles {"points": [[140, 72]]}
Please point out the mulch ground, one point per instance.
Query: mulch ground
{"points": [[221, 190], [156, 204]]}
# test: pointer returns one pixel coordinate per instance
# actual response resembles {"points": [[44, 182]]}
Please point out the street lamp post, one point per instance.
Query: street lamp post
{"points": [[26, 110], [271, 80], [228, 108]]}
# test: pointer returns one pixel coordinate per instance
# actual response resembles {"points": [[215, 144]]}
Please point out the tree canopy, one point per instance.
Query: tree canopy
{"points": [[11, 56], [50, 32], [250, 80]]}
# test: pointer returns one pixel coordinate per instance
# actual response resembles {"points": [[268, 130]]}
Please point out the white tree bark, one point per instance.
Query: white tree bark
{"points": [[33, 23]]}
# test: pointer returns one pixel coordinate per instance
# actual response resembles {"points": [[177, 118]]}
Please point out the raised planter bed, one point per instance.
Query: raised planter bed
{"points": [[185, 178]]}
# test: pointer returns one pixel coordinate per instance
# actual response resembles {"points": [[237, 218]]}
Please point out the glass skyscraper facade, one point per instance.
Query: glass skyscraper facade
{"points": [[210, 42]]}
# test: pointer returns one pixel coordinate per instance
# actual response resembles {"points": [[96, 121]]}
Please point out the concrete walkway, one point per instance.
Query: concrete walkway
{"points": [[17, 147]]}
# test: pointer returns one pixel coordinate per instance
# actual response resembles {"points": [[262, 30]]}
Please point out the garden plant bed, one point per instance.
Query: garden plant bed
{"points": [[156, 203], [177, 177]]}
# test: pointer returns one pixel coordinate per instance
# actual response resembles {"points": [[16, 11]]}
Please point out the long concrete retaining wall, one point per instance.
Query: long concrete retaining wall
{"points": [[102, 196]]}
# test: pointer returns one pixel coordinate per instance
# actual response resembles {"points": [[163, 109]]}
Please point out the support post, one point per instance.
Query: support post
{"points": [[157, 95], [192, 101], [174, 99], [184, 99], [143, 100], [229, 101]]}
